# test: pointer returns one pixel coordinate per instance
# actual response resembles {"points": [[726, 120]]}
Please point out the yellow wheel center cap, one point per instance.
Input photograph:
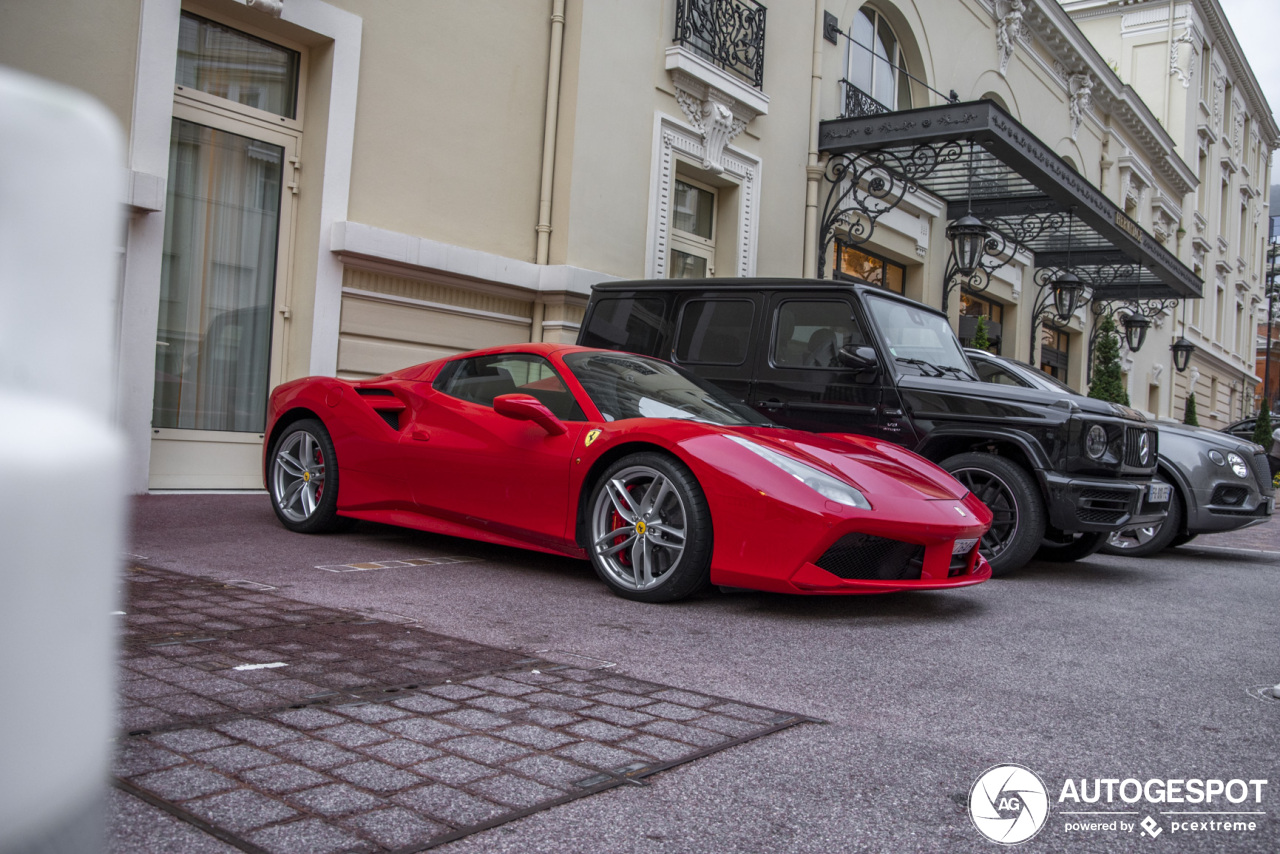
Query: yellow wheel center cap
{"points": [[641, 527], [306, 477]]}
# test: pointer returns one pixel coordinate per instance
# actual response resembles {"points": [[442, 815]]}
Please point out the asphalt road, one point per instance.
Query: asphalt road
{"points": [[1107, 668]]}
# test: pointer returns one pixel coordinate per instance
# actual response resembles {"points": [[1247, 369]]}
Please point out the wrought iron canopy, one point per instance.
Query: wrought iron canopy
{"points": [[1019, 186]]}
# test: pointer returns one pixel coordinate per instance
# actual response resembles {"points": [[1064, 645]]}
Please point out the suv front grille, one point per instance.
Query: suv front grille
{"points": [[1133, 447], [1262, 473], [866, 557]]}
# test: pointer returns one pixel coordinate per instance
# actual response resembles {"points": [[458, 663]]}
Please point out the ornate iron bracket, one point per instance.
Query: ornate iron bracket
{"points": [[1003, 243], [1148, 309], [1043, 312], [865, 185]]}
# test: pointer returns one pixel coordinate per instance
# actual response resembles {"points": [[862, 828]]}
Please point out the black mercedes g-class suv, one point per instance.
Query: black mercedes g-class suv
{"points": [[1059, 473]]}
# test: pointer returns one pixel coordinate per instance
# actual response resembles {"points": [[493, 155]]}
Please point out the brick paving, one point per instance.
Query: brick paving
{"points": [[367, 736]]}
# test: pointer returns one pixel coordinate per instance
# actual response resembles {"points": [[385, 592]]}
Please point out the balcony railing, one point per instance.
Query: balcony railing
{"points": [[858, 104], [729, 33]]}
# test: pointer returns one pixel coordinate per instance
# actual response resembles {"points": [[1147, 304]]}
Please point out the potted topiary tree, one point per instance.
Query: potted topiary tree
{"points": [[1108, 382]]}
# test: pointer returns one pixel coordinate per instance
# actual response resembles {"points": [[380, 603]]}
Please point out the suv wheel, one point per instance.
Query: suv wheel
{"points": [[1065, 548], [1018, 522]]}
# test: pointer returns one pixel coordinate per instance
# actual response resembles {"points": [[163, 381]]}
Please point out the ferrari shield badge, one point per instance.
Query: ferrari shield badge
{"points": [[592, 435]]}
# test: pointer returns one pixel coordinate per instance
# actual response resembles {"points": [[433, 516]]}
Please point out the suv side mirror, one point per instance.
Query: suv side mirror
{"points": [[526, 407], [859, 358]]}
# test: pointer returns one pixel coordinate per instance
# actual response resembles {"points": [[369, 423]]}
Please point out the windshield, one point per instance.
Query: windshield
{"points": [[919, 341], [624, 386]]}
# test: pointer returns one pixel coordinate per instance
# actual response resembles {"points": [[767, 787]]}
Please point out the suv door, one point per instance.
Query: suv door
{"points": [[800, 381], [715, 339]]}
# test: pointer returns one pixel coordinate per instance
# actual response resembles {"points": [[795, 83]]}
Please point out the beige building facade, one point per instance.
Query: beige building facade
{"points": [[350, 187]]}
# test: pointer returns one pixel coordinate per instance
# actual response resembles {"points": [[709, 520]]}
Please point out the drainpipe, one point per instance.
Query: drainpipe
{"points": [[549, 133], [813, 169]]}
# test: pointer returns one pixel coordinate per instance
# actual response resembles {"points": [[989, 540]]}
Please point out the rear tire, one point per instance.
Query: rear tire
{"points": [[650, 529], [1149, 539], [302, 477], [1014, 501]]}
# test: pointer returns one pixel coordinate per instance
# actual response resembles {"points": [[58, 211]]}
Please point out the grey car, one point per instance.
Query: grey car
{"points": [[1218, 482]]}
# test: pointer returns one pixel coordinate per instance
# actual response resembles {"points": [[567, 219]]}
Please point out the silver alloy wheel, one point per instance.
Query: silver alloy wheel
{"points": [[638, 528], [1132, 538], [297, 476]]}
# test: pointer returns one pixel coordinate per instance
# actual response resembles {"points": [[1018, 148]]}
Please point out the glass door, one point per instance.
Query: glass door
{"points": [[220, 334]]}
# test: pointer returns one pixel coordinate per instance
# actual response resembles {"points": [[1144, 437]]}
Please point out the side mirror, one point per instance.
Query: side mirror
{"points": [[859, 358], [525, 407]]}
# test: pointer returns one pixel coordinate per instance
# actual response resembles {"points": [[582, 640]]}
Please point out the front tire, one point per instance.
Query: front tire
{"points": [[303, 479], [1149, 539], [650, 529], [1077, 547], [1011, 495]]}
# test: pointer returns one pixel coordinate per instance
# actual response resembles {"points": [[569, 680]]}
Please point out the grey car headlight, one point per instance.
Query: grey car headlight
{"points": [[1238, 465], [819, 481]]}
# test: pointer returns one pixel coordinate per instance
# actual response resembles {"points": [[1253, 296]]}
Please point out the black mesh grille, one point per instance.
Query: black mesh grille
{"points": [[1262, 473], [1102, 506], [1231, 496], [862, 556], [392, 418]]}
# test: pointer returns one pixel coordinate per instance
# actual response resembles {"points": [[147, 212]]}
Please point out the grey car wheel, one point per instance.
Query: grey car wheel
{"points": [[650, 529]]}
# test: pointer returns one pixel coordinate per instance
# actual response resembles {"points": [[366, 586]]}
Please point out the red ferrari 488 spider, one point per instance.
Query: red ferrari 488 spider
{"points": [[660, 480]]}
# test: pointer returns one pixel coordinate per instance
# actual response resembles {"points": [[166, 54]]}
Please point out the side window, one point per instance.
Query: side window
{"points": [[482, 378], [810, 333], [714, 332], [990, 372], [633, 325]]}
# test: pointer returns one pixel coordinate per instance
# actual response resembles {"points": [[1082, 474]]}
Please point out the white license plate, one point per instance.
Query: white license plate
{"points": [[1158, 493], [962, 547]]}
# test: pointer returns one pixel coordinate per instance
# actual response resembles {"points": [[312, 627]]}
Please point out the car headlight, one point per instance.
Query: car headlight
{"points": [[819, 481], [1095, 441], [1237, 465]]}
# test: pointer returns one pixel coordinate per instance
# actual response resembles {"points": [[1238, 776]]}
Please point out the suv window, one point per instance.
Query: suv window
{"points": [[714, 332], [810, 333], [634, 325], [482, 378]]}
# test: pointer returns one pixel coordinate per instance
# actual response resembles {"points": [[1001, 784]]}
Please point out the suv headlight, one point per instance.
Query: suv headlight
{"points": [[819, 481], [1238, 465], [1095, 441]]}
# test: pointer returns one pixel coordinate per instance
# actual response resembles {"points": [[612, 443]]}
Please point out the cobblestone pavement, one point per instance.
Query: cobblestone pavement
{"points": [[274, 725], [1264, 537]]}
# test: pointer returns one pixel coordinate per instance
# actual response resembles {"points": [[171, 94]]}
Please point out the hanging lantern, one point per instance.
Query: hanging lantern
{"points": [[1135, 330], [968, 236], [1067, 288], [1181, 353]]}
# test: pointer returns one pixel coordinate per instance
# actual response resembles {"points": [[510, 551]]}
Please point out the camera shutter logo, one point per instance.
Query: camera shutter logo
{"points": [[1008, 804]]}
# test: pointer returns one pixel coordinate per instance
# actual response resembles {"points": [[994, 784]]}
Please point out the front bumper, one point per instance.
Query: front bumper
{"points": [[1099, 504], [845, 551]]}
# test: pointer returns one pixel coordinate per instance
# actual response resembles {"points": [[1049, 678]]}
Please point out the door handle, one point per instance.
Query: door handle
{"points": [[772, 403], [420, 436]]}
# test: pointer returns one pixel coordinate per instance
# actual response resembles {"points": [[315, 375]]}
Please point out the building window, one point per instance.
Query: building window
{"points": [[874, 61], [852, 262], [228, 217], [973, 307], [1221, 317], [1055, 349], [227, 63], [693, 232]]}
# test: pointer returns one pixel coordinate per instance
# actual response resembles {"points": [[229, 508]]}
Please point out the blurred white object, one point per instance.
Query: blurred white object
{"points": [[61, 462]]}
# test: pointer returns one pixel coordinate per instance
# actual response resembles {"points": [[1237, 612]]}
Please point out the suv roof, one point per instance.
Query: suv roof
{"points": [[758, 284]]}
